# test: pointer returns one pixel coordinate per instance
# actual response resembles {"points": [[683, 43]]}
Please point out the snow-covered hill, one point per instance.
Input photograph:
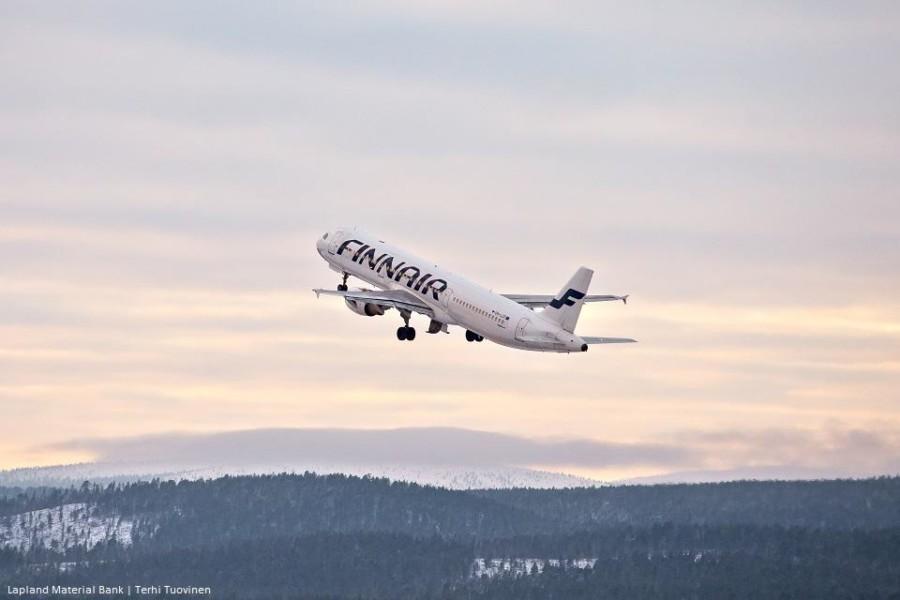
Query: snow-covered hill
{"points": [[62, 527], [451, 477]]}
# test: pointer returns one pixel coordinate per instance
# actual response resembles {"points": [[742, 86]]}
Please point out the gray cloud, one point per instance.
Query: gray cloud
{"points": [[428, 445], [847, 452]]}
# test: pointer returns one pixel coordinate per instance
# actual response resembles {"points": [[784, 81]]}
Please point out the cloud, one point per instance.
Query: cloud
{"points": [[429, 445], [844, 451]]}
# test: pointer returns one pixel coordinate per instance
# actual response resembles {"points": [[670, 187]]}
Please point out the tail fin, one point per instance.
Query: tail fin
{"points": [[565, 308]]}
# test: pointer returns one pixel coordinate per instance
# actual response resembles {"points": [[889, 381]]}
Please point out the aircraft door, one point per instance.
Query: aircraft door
{"points": [[520, 328]]}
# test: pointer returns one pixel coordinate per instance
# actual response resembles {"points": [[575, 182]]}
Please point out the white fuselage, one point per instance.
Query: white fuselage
{"points": [[452, 299]]}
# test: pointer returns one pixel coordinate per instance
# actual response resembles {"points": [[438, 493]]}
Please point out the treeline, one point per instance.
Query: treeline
{"points": [[19, 499], [311, 502]]}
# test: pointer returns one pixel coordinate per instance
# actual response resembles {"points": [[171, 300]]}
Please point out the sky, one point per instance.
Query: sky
{"points": [[166, 167]]}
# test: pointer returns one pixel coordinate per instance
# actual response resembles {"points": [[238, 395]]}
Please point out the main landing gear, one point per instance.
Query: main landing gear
{"points": [[406, 333], [343, 286], [471, 336]]}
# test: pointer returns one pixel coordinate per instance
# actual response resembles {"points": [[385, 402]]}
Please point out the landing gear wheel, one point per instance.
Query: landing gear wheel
{"points": [[410, 333], [479, 338], [401, 333], [407, 334], [342, 288], [470, 337]]}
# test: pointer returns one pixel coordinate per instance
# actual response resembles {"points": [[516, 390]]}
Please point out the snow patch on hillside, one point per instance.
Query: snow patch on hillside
{"points": [[515, 567], [62, 527]]}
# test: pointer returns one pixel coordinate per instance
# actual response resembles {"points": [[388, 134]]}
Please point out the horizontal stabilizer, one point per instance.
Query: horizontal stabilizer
{"points": [[607, 340], [539, 300]]}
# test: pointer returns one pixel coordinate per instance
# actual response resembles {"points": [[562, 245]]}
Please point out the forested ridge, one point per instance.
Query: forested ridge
{"points": [[350, 537]]}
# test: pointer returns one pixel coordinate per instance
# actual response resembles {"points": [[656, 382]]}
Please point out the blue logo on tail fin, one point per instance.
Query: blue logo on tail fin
{"points": [[568, 299]]}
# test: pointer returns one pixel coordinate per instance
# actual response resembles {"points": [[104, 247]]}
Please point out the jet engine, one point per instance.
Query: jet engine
{"points": [[366, 309]]}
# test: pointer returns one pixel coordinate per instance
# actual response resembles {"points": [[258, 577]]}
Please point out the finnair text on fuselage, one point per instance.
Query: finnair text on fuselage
{"points": [[415, 280]]}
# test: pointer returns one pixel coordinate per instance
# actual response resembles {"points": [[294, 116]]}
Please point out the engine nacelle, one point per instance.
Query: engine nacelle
{"points": [[366, 309]]}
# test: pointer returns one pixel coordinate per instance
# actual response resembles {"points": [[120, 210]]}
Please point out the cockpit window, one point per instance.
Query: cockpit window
{"points": [[325, 237]]}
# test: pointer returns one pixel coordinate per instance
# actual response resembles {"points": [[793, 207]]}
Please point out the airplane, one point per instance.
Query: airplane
{"points": [[413, 285]]}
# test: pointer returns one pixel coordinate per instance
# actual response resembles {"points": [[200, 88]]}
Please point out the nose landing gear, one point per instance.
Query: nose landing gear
{"points": [[342, 287]]}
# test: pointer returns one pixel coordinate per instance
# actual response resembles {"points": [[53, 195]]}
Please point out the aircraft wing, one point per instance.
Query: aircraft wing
{"points": [[387, 298], [606, 340], [533, 300]]}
